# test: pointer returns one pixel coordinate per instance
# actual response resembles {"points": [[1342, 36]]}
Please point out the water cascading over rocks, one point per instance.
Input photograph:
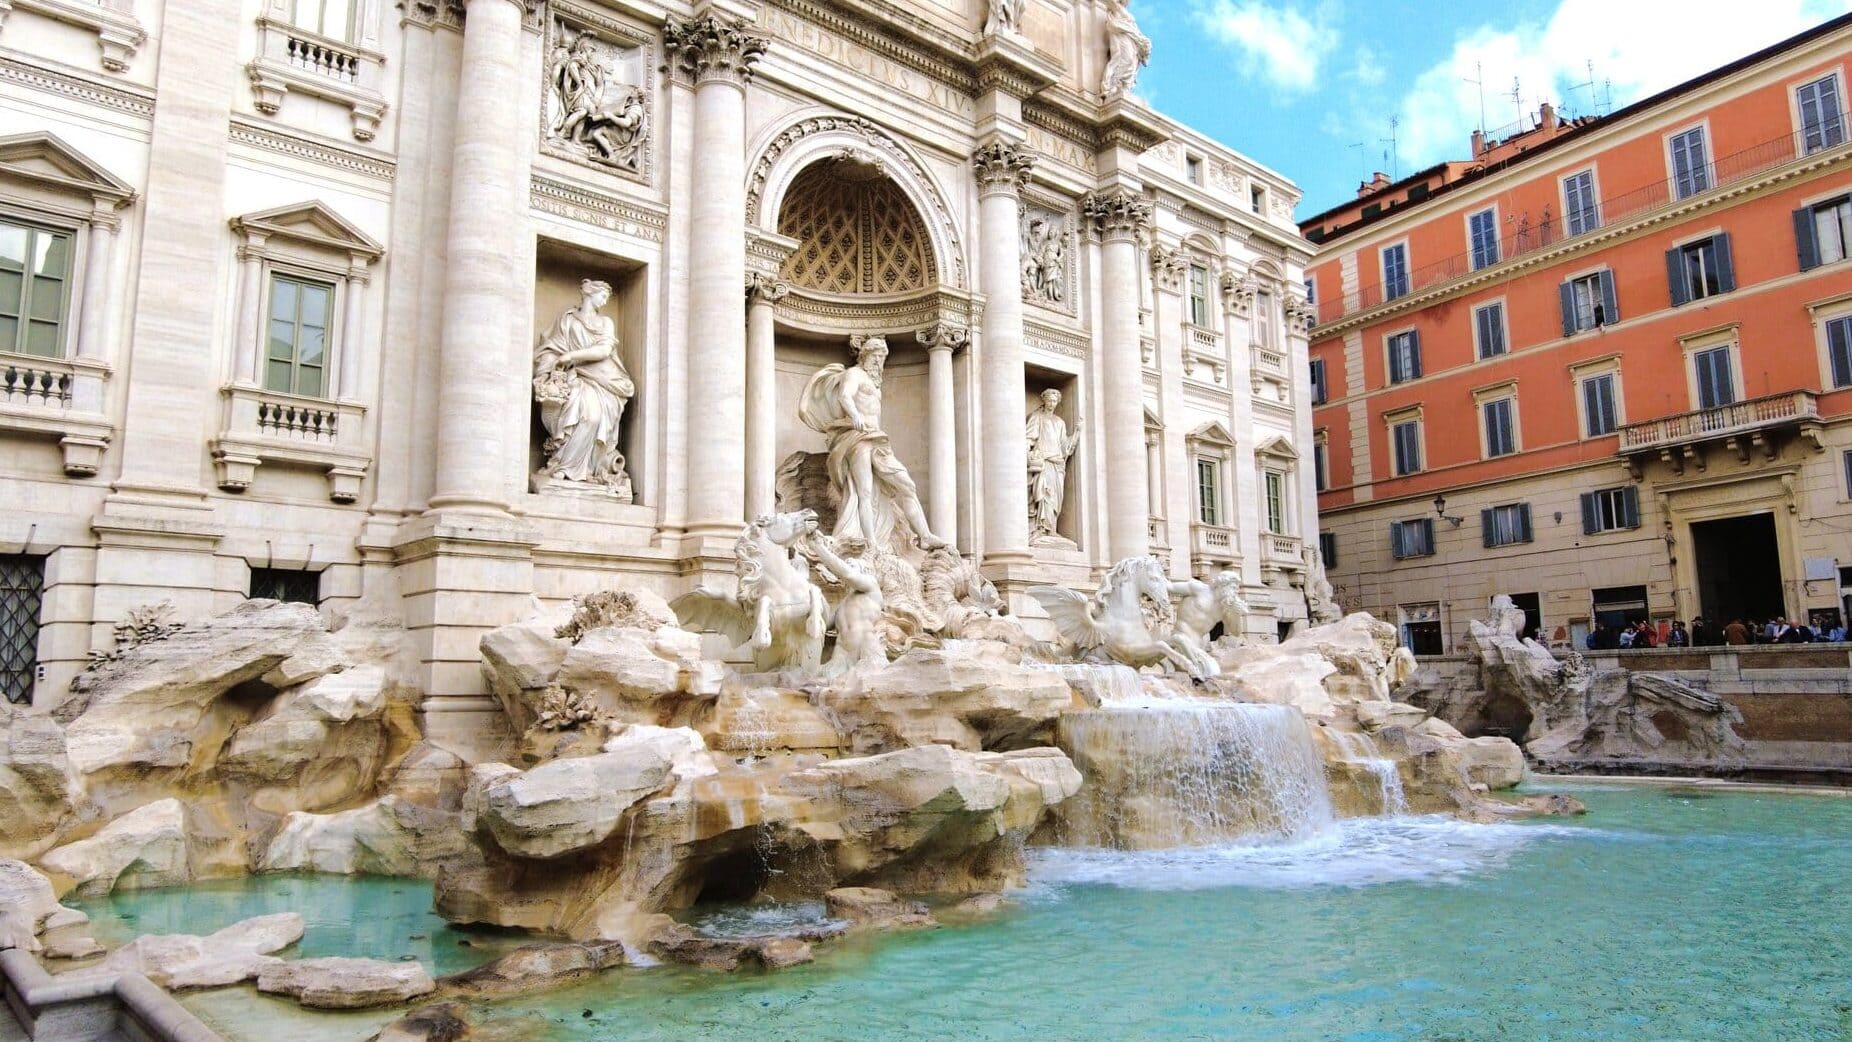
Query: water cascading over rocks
{"points": [[1191, 775]]}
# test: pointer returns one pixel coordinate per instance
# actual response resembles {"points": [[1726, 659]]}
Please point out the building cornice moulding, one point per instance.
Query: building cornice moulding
{"points": [[585, 205], [38, 74], [299, 146]]}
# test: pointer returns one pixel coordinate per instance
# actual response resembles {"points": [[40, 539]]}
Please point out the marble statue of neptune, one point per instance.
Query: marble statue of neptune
{"points": [[1050, 447], [844, 405], [1126, 50], [582, 389]]}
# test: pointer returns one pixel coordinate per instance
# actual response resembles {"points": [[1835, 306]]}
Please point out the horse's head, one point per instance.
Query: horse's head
{"points": [[785, 529], [1137, 575]]}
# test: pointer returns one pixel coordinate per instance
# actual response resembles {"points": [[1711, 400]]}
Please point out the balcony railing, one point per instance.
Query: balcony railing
{"points": [[1267, 360], [1528, 236], [35, 386], [1722, 422], [1213, 544], [1284, 550]]}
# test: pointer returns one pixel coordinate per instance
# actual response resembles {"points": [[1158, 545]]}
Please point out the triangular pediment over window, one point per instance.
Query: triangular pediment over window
{"points": [[313, 223], [1277, 448], [1212, 433], [47, 161]]}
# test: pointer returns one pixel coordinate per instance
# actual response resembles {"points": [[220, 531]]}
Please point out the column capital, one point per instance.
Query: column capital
{"points": [[1168, 266], [1117, 214], [762, 288], [1300, 314], [712, 48], [943, 336], [1238, 289], [1002, 168]]}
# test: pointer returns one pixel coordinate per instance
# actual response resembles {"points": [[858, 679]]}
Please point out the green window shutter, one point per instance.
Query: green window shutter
{"points": [[1566, 296], [1591, 522], [1414, 342], [1675, 276], [1610, 304], [1395, 540], [1524, 533], [1726, 266], [1485, 526], [1630, 507], [1806, 247]]}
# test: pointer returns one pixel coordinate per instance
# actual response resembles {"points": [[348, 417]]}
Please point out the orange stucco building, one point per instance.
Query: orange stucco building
{"points": [[1604, 366]]}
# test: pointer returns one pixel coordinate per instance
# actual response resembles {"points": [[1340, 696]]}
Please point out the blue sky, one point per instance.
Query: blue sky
{"points": [[1310, 87]]}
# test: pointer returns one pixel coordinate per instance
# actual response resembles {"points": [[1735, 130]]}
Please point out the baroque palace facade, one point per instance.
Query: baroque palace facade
{"points": [[1604, 366], [446, 306]]}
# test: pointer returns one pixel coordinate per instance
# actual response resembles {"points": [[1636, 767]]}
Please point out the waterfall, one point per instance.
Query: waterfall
{"points": [[1179, 775], [1109, 684], [1359, 749]]}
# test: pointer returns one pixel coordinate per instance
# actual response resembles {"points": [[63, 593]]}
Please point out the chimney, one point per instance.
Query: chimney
{"points": [[1546, 118], [1478, 143], [1376, 183]]}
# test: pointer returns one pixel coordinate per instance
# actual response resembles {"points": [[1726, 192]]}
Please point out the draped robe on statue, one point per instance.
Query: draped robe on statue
{"points": [[822, 410], [1049, 448], [586, 425]]}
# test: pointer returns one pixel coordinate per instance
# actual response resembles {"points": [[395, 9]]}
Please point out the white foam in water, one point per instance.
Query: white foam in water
{"points": [[1358, 852]]}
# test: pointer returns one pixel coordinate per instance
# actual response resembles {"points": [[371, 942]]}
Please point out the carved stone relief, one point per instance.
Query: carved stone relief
{"points": [[1047, 258], [597, 96]]}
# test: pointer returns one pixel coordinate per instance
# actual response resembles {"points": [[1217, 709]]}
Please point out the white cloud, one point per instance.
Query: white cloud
{"points": [[1637, 47], [1286, 47], [1367, 70]]}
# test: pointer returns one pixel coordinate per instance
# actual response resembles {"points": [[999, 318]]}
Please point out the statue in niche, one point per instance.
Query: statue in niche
{"points": [[1005, 16], [582, 389], [1050, 448], [1320, 600], [843, 403], [1044, 259], [1126, 50], [608, 120]]}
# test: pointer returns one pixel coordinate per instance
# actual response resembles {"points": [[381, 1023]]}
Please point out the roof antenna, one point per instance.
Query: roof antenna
{"points": [[1393, 156], [1479, 82]]}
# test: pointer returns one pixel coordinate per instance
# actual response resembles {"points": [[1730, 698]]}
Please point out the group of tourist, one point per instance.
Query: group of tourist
{"points": [[1701, 633]]}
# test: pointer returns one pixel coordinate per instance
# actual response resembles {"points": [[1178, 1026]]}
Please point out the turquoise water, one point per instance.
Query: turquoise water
{"points": [[1688, 915]]}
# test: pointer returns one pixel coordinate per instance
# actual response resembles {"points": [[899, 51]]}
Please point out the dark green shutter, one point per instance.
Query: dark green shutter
{"points": [[1414, 352], [1675, 276], [1726, 267], [1591, 522], [1806, 247], [1630, 507], [1485, 527], [1566, 296], [1610, 304], [1395, 540], [1524, 535]]}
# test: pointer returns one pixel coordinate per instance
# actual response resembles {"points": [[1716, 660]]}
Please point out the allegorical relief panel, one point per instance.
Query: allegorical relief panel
{"points": [[597, 97], [1048, 258]]}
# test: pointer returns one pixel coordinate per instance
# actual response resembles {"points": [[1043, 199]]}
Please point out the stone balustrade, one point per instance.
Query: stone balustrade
{"points": [[272, 427], [59, 398], [291, 58]]}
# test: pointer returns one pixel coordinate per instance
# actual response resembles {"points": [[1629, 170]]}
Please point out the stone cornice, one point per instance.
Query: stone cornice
{"points": [[33, 72], [710, 48], [945, 57], [299, 146], [1002, 168], [578, 203]]}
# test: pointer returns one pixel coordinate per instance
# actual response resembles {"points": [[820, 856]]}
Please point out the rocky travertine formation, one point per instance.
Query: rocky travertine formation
{"points": [[339, 983], [237, 953], [1571, 716]]}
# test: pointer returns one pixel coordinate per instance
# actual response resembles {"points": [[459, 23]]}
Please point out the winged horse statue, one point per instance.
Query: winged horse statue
{"points": [[1113, 622], [777, 608]]}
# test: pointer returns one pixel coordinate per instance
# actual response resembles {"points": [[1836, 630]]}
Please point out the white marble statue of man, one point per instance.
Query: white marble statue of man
{"points": [[1005, 17], [1126, 50], [1050, 447], [582, 389], [844, 405]]}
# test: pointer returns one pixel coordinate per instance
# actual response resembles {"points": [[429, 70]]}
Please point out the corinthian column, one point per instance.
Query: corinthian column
{"points": [[762, 293], [941, 434], [1121, 219], [1002, 169], [486, 173], [715, 54]]}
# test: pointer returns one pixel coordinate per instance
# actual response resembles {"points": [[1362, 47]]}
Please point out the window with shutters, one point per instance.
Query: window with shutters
{"points": [[1700, 269], [1320, 460], [1404, 356], [1588, 301], [1600, 405], [1482, 231], [1823, 232], [1199, 296], [1311, 290], [293, 585], [1714, 376], [1395, 270], [1321, 393], [1581, 213], [1691, 172], [1411, 538], [1209, 491], [35, 289], [22, 594], [1276, 502], [1505, 525], [1489, 329], [1823, 119], [1839, 350], [1610, 510], [296, 350], [1328, 547], [1405, 439], [1499, 420]]}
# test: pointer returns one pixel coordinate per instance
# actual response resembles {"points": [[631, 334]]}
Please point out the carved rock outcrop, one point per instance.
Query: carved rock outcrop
{"points": [[237, 953], [342, 983]]}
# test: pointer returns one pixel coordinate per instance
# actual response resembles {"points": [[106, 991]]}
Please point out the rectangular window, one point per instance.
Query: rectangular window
{"points": [[286, 584], [296, 356], [1610, 510], [331, 18], [1700, 269], [1716, 381], [1320, 392], [1208, 492], [1823, 121], [1395, 271], [1311, 290], [1839, 350], [1257, 199], [1406, 438], [35, 277], [1404, 356], [1263, 319], [1580, 211], [1503, 526], [1276, 502], [1600, 416], [1321, 456], [1489, 329], [1193, 169], [1482, 229], [1411, 538], [1823, 232], [1501, 429], [22, 593], [1588, 301], [1199, 295], [1848, 462], [1691, 171], [1328, 547]]}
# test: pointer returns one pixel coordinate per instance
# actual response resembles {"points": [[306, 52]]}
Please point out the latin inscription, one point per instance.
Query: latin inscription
{"points": [[862, 61]]}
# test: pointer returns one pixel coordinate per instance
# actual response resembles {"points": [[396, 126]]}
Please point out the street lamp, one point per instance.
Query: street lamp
{"points": [[1440, 511]]}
